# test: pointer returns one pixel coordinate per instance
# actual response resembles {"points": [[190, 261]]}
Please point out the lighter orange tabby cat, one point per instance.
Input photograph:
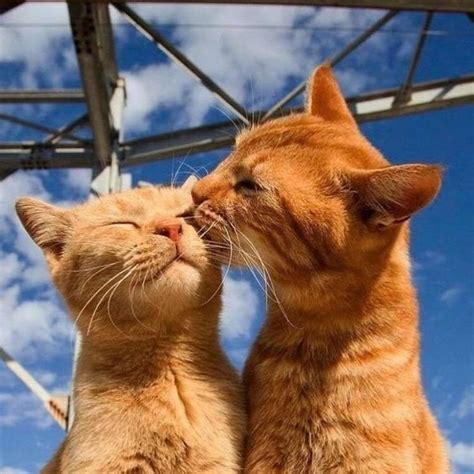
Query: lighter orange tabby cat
{"points": [[154, 392], [333, 380]]}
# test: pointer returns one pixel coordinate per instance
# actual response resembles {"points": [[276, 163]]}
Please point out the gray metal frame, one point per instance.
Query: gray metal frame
{"points": [[104, 94]]}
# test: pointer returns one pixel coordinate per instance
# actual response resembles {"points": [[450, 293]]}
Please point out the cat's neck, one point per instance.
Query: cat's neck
{"points": [[135, 359], [343, 303]]}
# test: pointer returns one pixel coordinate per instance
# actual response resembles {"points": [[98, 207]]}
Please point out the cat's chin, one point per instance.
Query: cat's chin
{"points": [[180, 278]]}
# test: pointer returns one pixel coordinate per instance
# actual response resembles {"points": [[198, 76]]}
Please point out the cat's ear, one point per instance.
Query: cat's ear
{"points": [[325, 99], [189, 183], [47, 225], [392, 195]]}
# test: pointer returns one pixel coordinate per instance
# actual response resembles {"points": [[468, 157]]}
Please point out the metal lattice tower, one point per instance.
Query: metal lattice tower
{"points": [[104, 93]]}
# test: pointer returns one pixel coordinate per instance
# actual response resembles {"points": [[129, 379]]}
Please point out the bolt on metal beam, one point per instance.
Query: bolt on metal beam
{"points": [[178, 57], [333, 61]]}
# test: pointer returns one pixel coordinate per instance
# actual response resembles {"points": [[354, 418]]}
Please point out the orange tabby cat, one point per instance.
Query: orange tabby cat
{"points": [[333, 380], [154, 391]]}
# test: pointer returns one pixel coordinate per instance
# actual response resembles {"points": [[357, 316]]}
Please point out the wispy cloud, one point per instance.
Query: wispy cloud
{"points": [[451, 295], [12, 470], [33, 321], [240, 60], [465, 407], [23, 407], [43, 53]]}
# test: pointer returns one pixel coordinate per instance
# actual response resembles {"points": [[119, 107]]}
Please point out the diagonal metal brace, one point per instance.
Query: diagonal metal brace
{"points": [[178, 57]]}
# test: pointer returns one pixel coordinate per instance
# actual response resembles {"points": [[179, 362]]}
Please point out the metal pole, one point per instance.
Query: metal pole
{"points": [[54, 405], [333, 61], [403, 95]]}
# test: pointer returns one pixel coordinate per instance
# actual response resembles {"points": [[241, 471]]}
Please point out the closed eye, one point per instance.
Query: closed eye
{"points": [[247, 187], [134, 224]]}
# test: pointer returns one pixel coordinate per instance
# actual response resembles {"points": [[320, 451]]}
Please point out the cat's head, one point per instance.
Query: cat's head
{"points": [[132, 254], [309, 192]]}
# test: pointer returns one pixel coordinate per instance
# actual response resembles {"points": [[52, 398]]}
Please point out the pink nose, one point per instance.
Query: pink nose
{"points": [[171, 229]]}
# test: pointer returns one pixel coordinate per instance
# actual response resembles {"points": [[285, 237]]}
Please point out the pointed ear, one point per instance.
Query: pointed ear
{"points": [[325, 99], [392, 195], [189, 183], [47, 225]]}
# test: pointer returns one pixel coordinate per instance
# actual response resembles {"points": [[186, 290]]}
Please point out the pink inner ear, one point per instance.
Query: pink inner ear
{"points": [[325, 98]]}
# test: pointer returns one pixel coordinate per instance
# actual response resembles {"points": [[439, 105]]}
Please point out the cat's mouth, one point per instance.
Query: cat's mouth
{"points": [[209, 221], [154, 274]]}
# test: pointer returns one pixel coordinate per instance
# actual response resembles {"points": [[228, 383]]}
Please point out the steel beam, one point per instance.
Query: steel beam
{"points": [[90, 24], [10, 96], [333, 61], [26, 156], [369, 107], [430, 5], [178, 57], [56, 406]]}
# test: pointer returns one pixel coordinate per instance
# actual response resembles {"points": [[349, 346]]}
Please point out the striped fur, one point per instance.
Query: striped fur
{"points": [[153, 389], [333, 380]]}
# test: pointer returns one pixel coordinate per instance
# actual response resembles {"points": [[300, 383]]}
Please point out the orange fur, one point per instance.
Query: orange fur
{"points": [[153, 391], [333, 379]]}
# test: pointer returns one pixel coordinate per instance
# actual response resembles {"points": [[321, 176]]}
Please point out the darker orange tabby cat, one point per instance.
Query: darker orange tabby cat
{"points": [[333, 380], [154, 392]]}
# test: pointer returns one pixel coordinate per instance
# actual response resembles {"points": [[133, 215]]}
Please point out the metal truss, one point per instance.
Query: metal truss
{"points": [[104, 94]]}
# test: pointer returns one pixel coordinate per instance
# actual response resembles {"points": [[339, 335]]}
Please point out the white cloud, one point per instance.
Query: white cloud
{"points": [[462, 455], [15, 186], [252, 65], [450, 295], [31, 327], [240, 309], [43, 52], [32, 323], [12, 470], [77, 181], [12, 268], [465, 408], [23, 407], [45, 377]]}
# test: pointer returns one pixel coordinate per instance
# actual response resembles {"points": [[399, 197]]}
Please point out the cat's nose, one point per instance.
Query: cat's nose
{"points": [[171, 229]]}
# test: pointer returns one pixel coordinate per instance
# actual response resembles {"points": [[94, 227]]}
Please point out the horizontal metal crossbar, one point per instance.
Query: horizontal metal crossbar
{"points": [[368, 107], [11, 96]]}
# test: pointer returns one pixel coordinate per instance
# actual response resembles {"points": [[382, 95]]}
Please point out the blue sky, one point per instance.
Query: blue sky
{"points": [[257, 66]]}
